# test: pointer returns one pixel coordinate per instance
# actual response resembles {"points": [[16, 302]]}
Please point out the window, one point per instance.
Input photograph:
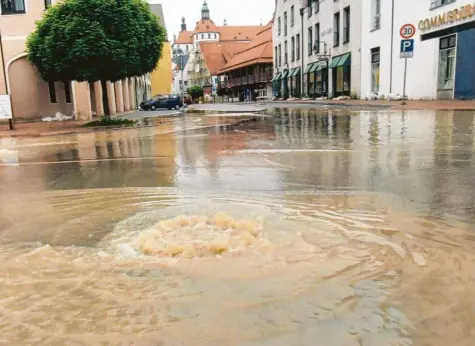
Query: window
{"points": [[346, 24], [67, 91], [317, 6], [285, 23], [297, 38], [375, 58], [438, 3], [209, 35], [286, 55], [276, 57], [47, 3], [293, 49], [292, 15], [214, 35], [309, 5], [52, 92], [202, 36], [279, 27], [317, 38], [13, 6], [447, 62], [376, 12], [336, 29], [280, 55], [310, 41]]}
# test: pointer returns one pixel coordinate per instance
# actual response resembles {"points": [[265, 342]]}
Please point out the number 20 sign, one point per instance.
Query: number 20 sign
{"points": [[407, 31]]}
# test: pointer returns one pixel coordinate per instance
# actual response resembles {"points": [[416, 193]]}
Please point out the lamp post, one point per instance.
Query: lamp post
{"points": [[181, 56], [11, 121]]}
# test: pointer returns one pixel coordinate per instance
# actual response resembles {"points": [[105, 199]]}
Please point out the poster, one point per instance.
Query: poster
{"points": [[5, 107]]}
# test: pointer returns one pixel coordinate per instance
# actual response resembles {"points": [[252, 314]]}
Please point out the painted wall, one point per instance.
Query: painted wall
{"points": [[422, 70], [162, 77], [465, 67]]}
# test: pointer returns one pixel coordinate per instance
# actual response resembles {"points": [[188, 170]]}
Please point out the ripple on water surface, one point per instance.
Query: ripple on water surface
{"points": [[242, 270]]}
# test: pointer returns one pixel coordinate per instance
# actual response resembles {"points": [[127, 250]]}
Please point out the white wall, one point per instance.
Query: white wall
{"points": [[422, 70], [203, 37], [325, 17]]}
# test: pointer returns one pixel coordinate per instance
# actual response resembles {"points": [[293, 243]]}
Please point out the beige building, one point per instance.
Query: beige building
{"points": [[32, 97]]}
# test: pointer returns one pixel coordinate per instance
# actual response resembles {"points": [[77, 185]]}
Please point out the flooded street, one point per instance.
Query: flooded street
{"points": [[296, 227]]}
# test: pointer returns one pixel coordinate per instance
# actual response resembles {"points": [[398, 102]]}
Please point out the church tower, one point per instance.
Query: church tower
{"points": [[205, 11], [183, 24]]}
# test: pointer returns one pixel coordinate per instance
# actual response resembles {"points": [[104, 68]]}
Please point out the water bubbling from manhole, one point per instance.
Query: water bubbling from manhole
{"points": [[201, 236]]}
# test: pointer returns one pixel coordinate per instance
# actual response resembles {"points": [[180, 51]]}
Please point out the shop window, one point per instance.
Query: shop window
{"points": [[447, 62], [375, 59], [52, 92], [13, 6]]}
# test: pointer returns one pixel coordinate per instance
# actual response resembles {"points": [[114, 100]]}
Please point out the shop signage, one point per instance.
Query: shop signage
{"points": [[5, 107], [460, 14]]}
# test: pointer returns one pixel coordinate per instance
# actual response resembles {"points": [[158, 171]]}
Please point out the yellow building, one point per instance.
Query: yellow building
{"points": [[162, 77]]}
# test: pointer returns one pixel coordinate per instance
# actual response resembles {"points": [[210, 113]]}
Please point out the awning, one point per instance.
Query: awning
{"points": [[334, 62], [277, 77], [345, 60], [314, 67], [309, 66], [295, 72], [285, 74]]}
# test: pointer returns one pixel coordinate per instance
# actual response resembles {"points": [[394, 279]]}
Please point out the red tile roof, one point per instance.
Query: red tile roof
{"points": [[258, 51], [217, 54], [206, 25], [185, 37]]}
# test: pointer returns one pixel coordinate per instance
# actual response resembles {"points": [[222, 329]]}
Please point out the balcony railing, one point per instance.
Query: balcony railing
{"points": [[262, 77]]}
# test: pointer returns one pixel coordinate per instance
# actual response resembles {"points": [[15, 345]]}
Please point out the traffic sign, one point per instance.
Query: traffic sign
{"points": [[407, 31], [407, 48]]}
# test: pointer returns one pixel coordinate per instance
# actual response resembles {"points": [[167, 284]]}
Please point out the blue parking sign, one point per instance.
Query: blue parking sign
{"points": [[407, 48]]}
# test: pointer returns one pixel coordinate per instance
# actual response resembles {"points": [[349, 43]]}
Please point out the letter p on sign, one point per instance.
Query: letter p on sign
{"points": [[407, 48]]}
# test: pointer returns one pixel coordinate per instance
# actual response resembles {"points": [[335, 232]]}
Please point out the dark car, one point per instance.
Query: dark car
{"points": [[162, 102]]}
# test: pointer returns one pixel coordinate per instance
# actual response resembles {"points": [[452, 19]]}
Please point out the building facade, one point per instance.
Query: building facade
{"points": [[444, 43], [162, 77], [34, 98], [248, 73], [317, 48], [208, 48]]}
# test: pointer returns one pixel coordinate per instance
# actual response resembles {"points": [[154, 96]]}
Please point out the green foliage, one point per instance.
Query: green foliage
{"points": [[195, 92], [110, 122], [90, 40]]}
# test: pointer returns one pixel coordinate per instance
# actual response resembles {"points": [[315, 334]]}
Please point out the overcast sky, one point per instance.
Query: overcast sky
{"points": [[237, 12]]}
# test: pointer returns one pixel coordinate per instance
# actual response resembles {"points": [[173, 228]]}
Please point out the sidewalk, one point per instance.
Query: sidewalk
{"points": [[38, 129], [411, 104]]}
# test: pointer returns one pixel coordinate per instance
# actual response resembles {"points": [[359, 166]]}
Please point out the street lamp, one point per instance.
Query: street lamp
{"points": [[181, 55]]}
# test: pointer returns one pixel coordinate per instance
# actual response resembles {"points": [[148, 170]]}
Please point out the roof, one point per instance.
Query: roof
{"points": [[258, 51], [206, 25], [185, 37], [217, 54], [238, 33], [157, 10]]}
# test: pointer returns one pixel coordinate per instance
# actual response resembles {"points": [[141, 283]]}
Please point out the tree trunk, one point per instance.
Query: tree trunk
{"points": [[105, 100]]}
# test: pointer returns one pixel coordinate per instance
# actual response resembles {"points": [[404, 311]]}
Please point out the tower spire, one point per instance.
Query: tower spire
{"points": [[225, 23], [183, 24], [205, 11]]}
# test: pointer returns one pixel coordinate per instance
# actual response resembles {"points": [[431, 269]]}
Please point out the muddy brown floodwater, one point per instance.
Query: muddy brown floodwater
{"points": [[303, 227]]}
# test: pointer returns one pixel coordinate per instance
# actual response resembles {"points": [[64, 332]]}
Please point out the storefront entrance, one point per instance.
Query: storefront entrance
{"points": [[341, 75]]}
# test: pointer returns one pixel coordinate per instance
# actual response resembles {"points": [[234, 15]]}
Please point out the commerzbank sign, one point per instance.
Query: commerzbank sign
{"points": [[446, 19]]}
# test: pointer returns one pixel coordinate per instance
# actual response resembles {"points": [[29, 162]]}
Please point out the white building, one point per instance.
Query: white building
{"points": [[442, 66], [317, 48]]}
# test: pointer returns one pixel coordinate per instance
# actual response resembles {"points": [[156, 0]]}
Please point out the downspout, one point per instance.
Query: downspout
{"points": [[302, 53], [392, 49]]}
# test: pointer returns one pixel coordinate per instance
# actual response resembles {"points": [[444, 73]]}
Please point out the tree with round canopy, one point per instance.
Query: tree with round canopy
{"points": [[96, 40]]}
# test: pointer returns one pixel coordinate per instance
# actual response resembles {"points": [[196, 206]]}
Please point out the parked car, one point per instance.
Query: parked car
{"points": [[162, 102]]}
